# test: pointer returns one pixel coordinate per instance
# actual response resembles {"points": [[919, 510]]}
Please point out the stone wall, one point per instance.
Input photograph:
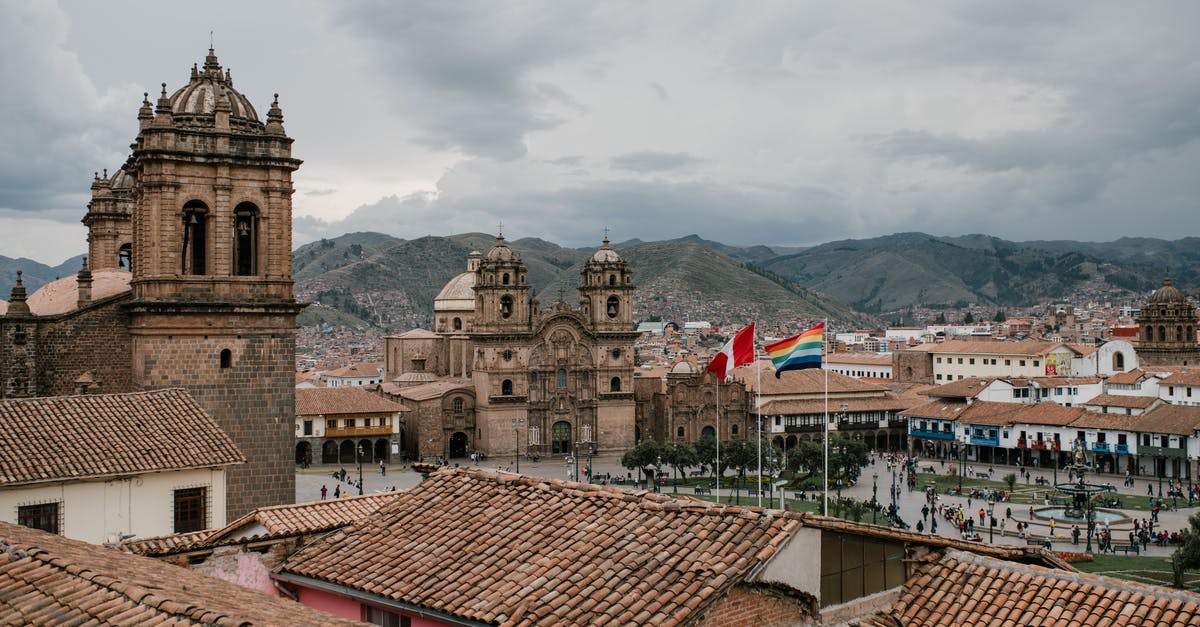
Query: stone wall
{"points": [[93, 340], [759, 606], [912, 367]]}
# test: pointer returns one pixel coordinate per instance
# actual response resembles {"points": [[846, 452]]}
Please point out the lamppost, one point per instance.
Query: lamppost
{"points": [[359, 452], [962, 462], [991, 512], [517, 423], [894, 490], [874, 496], [586, 436], [1160, 470], [657, 469]]}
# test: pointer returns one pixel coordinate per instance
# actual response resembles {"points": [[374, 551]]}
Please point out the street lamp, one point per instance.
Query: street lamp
{"points": [[359, 452], [657, 469], [517, 423], [991, 511], [1160, 471], [894, 511], [874, 496]]}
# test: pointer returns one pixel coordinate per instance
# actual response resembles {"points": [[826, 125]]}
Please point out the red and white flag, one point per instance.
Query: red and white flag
{"points": [[738, 351]]}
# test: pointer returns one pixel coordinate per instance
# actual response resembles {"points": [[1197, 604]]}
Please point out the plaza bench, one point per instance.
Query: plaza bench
{"points": [[982, 475], [1125, 547], [702, 490]]}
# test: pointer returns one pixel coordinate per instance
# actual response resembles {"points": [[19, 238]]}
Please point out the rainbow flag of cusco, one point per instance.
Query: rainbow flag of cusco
{"points": [[797, 352]]}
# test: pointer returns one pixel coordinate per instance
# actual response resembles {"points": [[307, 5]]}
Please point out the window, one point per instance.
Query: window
{"points": [[1007, 362], [190, 509], [504, 280], [377, 616], [507, 355], [125, 257], [245, 239], [734, 429], [615, 384], [1100, 437], [612, 279], [616, 353], [1022, 363], [506, 387], [971, 361], [506, 306], [1170, 390], [1036, 363], [679, 431], [331, 424], [1164, 441], [852, 567], [614, 308], [457, 405], [308, 427], [561, 377], [226, 358], [939, 377], [533, 377], [960, 360], [939, 360], [44, 516], [458, 324], [195, 230]]}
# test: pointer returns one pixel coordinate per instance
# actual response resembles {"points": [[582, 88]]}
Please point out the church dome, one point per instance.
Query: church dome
{"points": [[121, 180], [197, 101], [1167, 294], [458, 294], [501, 251], [62, 295], [685, 367], [605, 254]]}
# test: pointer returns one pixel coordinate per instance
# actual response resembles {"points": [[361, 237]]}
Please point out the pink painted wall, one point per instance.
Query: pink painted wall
{"points": [[337, 605]]}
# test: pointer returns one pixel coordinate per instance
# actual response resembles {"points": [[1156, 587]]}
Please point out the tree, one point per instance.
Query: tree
{"points": [[1187, 556], [643, 457], [1000, 316], [1011, 480], [680, 456], [706, 453], [941, 319], [848, 456], [969, 318], [807, 456]]}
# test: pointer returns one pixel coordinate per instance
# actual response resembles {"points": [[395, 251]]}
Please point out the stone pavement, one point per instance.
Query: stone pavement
{"points": [[309, 482]]}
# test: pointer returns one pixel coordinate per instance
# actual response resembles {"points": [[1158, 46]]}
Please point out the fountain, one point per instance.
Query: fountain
{"points": [[1080, 507]]}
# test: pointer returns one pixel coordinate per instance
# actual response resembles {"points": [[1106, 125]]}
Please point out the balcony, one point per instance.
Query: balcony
{"points": [[1100, 447], [897, 423], [801, 428], [1122, 449], [1159, 451], [985, 440], [342, 432], [930, 434]]}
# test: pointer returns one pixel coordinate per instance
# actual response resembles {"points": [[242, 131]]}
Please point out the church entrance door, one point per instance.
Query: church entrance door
{"points": [[458, 445], [560, 438]]}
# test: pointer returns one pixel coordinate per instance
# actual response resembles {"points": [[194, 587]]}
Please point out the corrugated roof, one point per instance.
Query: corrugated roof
{"points": [[102, 435], [343, 400], [47, 579]]}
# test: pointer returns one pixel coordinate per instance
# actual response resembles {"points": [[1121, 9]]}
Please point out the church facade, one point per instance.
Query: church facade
{"points": [[539, 381], [190, 281], [1167, 329]]}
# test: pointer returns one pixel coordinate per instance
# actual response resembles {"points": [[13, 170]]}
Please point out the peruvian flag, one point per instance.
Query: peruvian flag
{"points": [[736, 352]]}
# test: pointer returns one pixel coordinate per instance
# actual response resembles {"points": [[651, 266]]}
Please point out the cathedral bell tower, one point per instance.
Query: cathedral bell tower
{"points": [[606, 290], [501, 291], [212, 308]]}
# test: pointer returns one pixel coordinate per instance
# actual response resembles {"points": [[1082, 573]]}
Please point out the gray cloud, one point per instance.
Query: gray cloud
{"points": [[652, 161]]}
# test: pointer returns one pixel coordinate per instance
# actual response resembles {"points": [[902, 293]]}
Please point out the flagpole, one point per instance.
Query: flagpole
{"points": [[717, 468], [757, 417], [826, 420]]}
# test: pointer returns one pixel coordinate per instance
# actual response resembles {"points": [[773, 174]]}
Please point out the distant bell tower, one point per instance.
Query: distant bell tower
{"points": [[212, 307], [606, 290], [501, 291]]}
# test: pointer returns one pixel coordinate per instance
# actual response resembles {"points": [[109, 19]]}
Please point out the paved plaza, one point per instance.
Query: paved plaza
{"points": [[309, 482]]}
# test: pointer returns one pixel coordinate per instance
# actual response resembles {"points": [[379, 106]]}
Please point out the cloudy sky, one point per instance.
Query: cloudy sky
{"points": [[788, 123]]}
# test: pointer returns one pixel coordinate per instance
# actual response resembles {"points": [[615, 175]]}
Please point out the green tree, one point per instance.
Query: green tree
{"points": [[941, 319], [847, 457], [679, 456], [706, 453], [1000, 316], [969, 318], [1187, 556], [807, 456], [739, 455], [643, 457], [1011, 480]]}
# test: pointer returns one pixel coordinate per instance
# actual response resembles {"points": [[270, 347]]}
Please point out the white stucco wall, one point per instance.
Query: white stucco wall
{"points": [[102, 510]]}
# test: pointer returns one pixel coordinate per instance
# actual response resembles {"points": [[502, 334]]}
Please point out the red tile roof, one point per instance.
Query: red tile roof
{"points": [[1173, 419], [1051, 414], [811, 381], [937, 409], [343, 400], [968, 589], [1131, 377], [963, 388], [279, 521], [47, 579], [1183, 377], [497, 547], [105, 435], [853, 405], [1121, 400], [991, 347]]}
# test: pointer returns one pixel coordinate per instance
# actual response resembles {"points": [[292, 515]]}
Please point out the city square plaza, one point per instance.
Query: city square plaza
{"points": [[910, 502]]}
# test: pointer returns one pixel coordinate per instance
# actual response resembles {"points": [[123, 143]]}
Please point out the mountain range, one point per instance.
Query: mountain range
{"points": [[374, 279]]}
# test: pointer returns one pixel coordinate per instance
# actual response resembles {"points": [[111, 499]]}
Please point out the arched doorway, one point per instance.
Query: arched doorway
{"points": [[560, 438], [303, 453], [329, 452], [364, 449], [381, 449], [458, 445], [346, 452], [708, 432]]}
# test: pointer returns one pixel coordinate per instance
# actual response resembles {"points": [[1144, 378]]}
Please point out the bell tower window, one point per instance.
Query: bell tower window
{"points": [[125, 257], [195, 229], [612, 279], [506, 305], [504, 279], [613, 306], [245, 239]]}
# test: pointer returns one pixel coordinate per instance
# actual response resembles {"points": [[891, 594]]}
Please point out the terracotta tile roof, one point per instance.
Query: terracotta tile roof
{"points": [[805, 406], [498, 547], [47, 579], [343, 400], [990, 413], [104, 435], [963, 388], [1117, 422], [427, 391], [967, 589], [1121, 400], [1132, 377], [1183, 377], [1173, 419], [811, 381], [1050, 414], [265, 523], [937, 409], [363, 369]]}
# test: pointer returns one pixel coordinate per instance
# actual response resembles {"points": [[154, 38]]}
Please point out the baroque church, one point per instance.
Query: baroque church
{"points": [[189, 283], [1167, 329], [501, 375]]}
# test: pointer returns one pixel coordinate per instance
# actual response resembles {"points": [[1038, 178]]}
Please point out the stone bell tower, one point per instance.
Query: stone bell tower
{"points": [[212, 308], [606, 290]]}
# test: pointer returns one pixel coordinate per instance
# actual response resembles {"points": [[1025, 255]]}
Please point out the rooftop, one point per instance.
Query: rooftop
{"points": [[343, 400]]}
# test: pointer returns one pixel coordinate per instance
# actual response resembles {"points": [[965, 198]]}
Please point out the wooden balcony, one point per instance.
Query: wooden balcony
{"points": [[342, 432]]}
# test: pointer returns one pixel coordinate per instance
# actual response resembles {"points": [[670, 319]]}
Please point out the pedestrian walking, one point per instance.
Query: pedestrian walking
{"points": [[337, 492], [324, 491]]}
